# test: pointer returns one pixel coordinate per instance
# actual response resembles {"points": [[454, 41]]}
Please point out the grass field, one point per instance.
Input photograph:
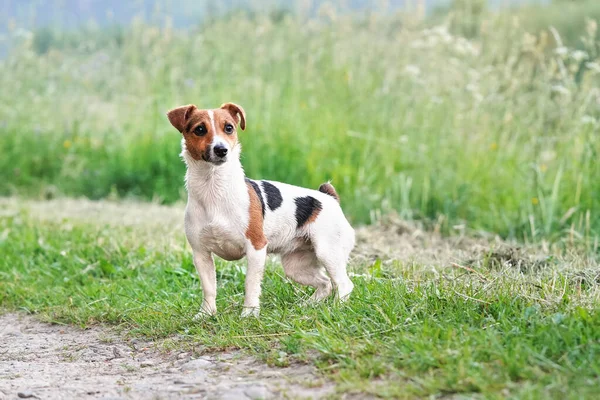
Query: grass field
{"points": [[497, 133], [487, 144], [409, 330]]}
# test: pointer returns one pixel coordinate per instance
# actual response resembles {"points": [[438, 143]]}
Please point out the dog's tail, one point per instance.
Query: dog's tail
{"points": [[328, 188]]}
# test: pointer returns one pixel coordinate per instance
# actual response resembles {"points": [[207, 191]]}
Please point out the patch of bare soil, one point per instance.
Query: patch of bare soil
{"points": [[394, 240], [43, 361]]}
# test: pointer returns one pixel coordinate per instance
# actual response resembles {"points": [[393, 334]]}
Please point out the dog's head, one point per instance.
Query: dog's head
{"points": [[209, 135]]}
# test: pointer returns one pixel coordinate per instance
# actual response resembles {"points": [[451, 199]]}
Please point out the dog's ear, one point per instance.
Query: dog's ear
{"points": [[237, 112], [179, 116]]}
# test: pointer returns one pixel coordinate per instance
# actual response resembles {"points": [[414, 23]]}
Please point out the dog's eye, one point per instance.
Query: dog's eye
{"points": [[228, 128], [200, 130]]}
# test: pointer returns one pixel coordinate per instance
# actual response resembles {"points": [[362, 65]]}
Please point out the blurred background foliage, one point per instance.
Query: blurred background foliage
{"points": [[468, 114]]}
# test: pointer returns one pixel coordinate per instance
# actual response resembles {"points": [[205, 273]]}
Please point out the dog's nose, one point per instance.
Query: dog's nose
{"points": [[220, 150]]}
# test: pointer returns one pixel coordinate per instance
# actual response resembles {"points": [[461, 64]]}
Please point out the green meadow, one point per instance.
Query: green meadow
{"points": [[470, 124], [408, 331], [497, 133]]}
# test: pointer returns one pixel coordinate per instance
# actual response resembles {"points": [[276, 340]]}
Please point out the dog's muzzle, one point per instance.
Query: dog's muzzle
{"points": [[219, 154]]}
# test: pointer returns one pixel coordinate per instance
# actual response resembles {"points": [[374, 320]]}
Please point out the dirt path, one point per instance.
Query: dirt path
{"points": [[43, 361]]}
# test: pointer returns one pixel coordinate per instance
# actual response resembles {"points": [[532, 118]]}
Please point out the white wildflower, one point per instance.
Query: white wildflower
{"points": [[560, 89], [417, 44], [579, 55], [473, 74], [589, 120], [443, 33], [471, 87], [561, 51], [355, 275], [547, 156], [593, 66], [412, 70]]}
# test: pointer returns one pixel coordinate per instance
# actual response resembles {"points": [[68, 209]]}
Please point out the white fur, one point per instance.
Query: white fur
{"points": [[216, 138], [217, 217], [211, 115]]}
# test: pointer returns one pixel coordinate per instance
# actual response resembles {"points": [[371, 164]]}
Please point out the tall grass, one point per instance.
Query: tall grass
{"points": [[498, 133], [567, 16]]}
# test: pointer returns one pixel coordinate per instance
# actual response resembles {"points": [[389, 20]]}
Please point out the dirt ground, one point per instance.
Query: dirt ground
{"points": [[43, 361]]}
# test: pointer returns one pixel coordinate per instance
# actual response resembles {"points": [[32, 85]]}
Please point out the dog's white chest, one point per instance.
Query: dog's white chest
{"points": [[218, 231], [224, 241]]}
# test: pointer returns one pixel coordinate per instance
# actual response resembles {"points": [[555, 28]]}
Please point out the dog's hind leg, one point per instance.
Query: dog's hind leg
{"points": [[302, 266], [334, 259]]}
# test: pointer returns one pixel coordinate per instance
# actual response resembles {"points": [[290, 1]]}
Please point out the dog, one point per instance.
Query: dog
{"points": [[232, 216]]}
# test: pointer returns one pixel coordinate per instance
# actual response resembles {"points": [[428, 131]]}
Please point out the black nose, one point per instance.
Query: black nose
{"points": [[220, 150]]}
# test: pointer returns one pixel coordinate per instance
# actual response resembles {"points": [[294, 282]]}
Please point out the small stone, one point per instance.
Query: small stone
{"points": [[13, 333], [232, 394], [196, 364], [146, 364], [199, 375], [227, 356], [195, 390], [137, 344], [182, 356], [27, 394], [117, 353], [256, 392]]}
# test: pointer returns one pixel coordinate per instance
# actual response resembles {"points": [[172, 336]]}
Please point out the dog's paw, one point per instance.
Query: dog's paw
{"points": [[205, 313], [315, 299], [343, 299], [343, 292], [320, 294], [250, 312]]}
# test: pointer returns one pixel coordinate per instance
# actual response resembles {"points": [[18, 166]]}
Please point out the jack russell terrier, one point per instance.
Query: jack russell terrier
{"points": [[232, 216]]}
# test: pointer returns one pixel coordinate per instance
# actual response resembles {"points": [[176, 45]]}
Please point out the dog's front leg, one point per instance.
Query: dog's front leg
{"points": [[254, 275], [205, 266]]}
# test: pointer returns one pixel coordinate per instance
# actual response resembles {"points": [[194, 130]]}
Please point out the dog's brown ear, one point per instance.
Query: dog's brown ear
{"points": [[179, 116], [237, 112]]}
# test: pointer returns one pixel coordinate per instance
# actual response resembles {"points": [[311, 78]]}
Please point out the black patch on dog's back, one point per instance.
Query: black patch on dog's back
{"points": [[306, 207], [274, 198], [258, 193]]}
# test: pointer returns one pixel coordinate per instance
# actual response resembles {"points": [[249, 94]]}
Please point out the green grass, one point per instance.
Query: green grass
{"points": [[570, 18], [408, 331], [499, 133]]}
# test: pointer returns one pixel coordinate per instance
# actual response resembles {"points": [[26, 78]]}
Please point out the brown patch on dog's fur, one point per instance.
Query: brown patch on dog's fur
{"points": [[198, 146], [223, 117], [237, 112], [255, 232], [178, 116], [314, 215], [187, 118], [328, 188]]}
